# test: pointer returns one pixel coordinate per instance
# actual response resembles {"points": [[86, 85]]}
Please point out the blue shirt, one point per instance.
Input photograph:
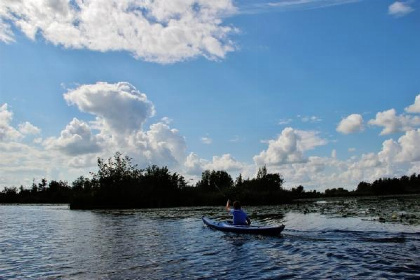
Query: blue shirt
{"points": [[239, 216]]}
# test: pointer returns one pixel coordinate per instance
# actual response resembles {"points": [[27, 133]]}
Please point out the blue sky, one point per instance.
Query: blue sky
{"points": [[324, 92]]}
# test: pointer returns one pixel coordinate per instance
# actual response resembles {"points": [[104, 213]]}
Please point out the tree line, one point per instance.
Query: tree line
{"points": [[382, 186], [120, 184]]}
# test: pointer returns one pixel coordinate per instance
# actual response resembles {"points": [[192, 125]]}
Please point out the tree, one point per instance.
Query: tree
{"points": [[34, 187], [82, 184], [204, 183], [116, 169], [42, 185], [239, 181], [364, 188], [336, 192], [268, 181], [11, 191], [161, 178], [262, 173], [298, 191], [215, 181], [274, 181]]}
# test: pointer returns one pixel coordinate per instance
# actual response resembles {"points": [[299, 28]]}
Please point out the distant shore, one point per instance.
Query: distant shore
{"points": [[118, 184]]}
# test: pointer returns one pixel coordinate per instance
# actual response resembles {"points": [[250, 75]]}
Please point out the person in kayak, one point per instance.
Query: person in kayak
{"points": [[239, 216]]}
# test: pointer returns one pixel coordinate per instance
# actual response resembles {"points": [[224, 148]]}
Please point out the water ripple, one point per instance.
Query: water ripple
{"points": [[50, 242]]}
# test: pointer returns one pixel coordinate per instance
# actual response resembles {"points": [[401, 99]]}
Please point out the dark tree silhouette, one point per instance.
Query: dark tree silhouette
{"points": [[119, 183]]}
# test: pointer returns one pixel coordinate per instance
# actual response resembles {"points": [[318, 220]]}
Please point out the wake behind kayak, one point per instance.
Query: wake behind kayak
{"points": [[229, 227]]}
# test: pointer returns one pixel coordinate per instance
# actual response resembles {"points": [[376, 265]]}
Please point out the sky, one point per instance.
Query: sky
{"points": [[324, 92]]}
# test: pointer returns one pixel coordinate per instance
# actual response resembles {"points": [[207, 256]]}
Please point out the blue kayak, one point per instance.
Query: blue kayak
{"points": [[229, 227]]}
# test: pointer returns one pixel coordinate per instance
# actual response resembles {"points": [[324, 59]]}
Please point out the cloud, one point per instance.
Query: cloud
{"points": [[194, 165], [225, 162], [406, 149], [165, 144], [6, 34], [284, 121], [309, 3], [414, 108], [166, 120], [235, 139], [76, 139], [120, 106], [206, 140], [311, 119], [8, 132], [399, 9], [27, 128], [158, 31], [291, 5], [21, 162], [289, 147], [74, 151], [393, 123], [351, 124], [120, 112], [396, 158]]}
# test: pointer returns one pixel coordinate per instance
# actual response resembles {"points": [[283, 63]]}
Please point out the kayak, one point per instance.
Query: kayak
{"points": [[229, 227]]}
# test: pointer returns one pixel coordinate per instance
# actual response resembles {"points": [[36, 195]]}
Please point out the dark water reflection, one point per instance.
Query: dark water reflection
{"points": [[50, 242]]}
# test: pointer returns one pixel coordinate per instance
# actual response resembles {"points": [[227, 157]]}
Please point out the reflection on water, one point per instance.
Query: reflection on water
{"points": [[54, 242]]}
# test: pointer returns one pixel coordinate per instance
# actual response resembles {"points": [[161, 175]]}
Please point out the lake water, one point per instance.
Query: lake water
{"points": [[53, 242]]}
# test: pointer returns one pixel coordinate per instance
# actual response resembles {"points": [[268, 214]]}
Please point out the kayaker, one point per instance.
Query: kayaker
{"points": [[239, 216]]}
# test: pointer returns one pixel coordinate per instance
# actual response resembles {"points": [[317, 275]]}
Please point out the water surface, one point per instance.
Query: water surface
{"points": [[51, 242]]}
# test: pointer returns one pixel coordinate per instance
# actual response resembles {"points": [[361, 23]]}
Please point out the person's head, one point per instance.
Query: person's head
{"points": [[237, 205]]}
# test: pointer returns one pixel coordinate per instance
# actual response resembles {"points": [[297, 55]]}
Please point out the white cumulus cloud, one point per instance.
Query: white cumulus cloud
{"points": [[165, 144], [289, 147], [159, 31], [121, 111], [120, 106], [195, 165], [400, 9], [393, 123], [76, 139], [414, 108], [225, 162], [406, 149], [351, 124]]}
